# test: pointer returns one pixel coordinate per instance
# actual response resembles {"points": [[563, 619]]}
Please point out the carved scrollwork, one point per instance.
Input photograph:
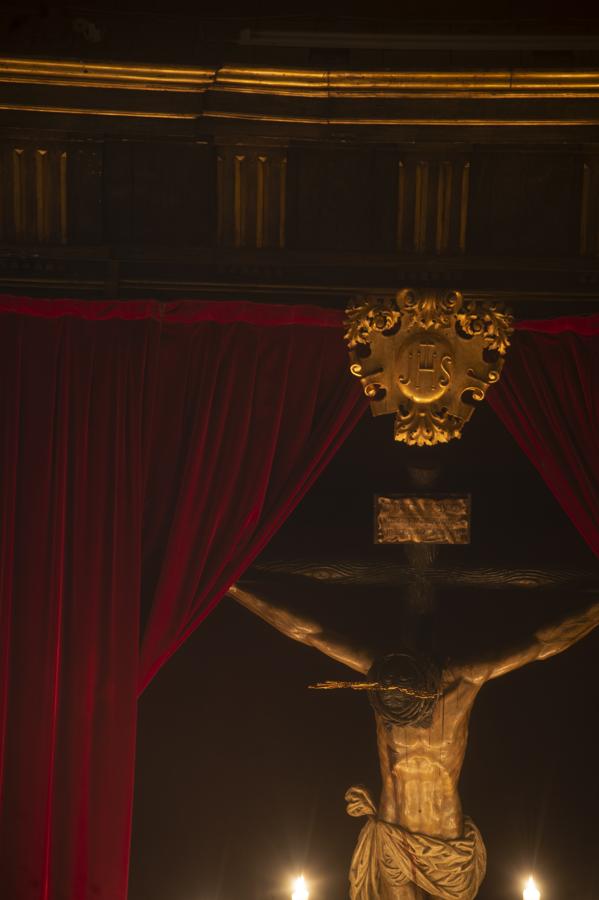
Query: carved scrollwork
{"points": [[428, 310], [424, 355], [424, 427], [489, 320], [368, 315]]}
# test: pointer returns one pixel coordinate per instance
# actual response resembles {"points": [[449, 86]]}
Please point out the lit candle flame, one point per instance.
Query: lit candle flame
{"points": [[531, 891], [300, 891]]}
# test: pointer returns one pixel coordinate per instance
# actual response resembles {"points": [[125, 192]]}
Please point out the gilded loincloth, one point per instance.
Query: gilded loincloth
{"points": [[388, 856]]}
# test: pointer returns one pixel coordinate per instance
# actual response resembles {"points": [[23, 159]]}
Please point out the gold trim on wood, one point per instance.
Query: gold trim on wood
{"points": [[63, 196], [88, 111], [401, 203], [464, 196], [261, 200], [18, 192], [282, 200], [42, 199], [512, 83], [299, 119], [220, 199], [444, 189], [356, 120], [504, 84], [239, 192], [251, 195], [480, 84], [421, 205], [104, 75]]}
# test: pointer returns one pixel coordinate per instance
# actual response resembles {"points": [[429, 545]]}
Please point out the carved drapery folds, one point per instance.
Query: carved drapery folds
{"points": [[388, 858], [428, 356]]}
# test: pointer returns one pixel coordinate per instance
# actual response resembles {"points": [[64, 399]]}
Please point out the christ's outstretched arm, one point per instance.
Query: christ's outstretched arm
{"points": [[302, 628], [547, 641]]}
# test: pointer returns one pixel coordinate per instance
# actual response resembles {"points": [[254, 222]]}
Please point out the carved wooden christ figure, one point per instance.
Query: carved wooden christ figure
{"points": [[419, 843]]}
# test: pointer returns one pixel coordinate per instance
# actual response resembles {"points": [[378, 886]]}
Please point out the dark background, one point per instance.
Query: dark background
{"points": [[242, 770]]}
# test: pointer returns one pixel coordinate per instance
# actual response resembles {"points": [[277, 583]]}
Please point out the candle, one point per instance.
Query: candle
{"points": [[531, 891], [300, 891]]}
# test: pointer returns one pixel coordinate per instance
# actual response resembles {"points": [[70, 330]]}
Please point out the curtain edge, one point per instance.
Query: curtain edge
{"points": [[176, 311]]}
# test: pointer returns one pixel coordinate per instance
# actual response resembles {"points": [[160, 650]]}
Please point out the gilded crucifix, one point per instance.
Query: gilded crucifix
{"points": [[418, 843], [428, 357]]}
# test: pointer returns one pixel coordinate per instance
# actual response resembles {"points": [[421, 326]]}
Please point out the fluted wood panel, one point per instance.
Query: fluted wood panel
{"points": [[432, 204], [34, 192], [411, 203], [251, 185]]}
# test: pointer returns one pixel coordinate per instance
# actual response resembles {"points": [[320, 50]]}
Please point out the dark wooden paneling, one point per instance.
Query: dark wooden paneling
{"points": [[173, 193], [85, 164], [118, 189], [525, 204], [385, 172], [160, 193], [332, 203]]}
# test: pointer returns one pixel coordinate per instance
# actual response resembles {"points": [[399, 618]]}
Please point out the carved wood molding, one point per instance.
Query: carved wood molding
{"points": [[305, 97], [103, 270], [303, 82]]}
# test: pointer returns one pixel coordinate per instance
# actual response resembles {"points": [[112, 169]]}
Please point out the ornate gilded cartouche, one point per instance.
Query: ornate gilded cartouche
{"points": [[428, 356]]}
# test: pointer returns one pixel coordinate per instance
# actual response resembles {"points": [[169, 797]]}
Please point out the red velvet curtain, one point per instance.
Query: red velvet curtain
{"points": [[73, 415], [148, 453], [247, 416], [548, 398]]}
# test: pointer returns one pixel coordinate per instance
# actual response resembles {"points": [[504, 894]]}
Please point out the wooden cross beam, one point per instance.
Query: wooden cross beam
{"points": [[372, 570]]}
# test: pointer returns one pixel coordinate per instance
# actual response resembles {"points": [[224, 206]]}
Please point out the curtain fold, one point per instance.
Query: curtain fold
{"points": [[548, 398], [246, 417], [148, 453], [72, 409]]}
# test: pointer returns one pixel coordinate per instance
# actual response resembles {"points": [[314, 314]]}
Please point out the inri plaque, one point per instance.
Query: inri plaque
{"points": [[422, 520]]}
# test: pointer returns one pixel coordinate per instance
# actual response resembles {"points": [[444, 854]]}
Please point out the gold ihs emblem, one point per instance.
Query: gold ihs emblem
{"points": [[427, 356], [424, 367]]}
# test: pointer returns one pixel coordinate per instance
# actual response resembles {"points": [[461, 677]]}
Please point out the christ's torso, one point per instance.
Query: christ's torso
{"points": [[420, 767]]}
